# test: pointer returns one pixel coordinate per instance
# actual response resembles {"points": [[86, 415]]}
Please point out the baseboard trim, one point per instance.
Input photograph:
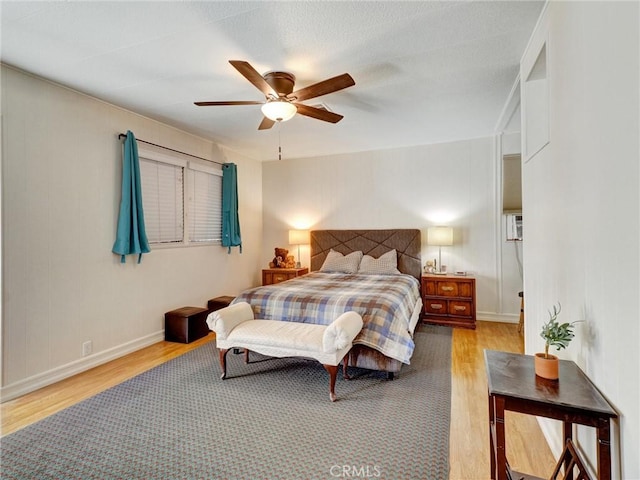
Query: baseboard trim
{"points": [[22, 387], [497, 317]]}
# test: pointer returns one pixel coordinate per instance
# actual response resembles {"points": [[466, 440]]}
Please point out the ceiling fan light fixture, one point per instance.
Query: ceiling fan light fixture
{"points": [[279, 110]]}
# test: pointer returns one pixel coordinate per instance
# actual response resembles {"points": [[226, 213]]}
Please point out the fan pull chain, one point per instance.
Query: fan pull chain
{"points": [[279, 143]]}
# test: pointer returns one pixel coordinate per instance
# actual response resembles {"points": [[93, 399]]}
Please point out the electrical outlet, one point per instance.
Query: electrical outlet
{"points": [[87, 348]]}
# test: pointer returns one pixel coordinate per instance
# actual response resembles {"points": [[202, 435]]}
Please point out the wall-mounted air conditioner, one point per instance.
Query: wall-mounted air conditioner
{"points": [[513, 227]]}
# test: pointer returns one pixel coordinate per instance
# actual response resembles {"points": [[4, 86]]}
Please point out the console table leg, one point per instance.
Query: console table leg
{"points": [[501, 448], [604, 449], [492, 447]]}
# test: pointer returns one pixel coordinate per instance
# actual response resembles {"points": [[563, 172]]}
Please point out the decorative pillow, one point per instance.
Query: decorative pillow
{"points": [[339, 263], [386, 264]]}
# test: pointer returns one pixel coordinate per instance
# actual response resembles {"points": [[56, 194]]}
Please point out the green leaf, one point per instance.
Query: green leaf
{"points": [[556, 334]]}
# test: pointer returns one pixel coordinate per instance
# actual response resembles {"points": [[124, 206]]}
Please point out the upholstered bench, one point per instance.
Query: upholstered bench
{"points": [[235, 327]]}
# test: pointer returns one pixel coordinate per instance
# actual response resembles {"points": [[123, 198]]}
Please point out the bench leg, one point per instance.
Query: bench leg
{"points": [[223, 362], [333, 373], [345, 364]]}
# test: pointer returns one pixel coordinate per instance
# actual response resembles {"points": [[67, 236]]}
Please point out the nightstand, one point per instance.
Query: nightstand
{"points": [[449, 300], [277, 275]]}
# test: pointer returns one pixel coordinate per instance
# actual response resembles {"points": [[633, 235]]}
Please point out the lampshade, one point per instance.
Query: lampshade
{"points": [[440, 236], [298, 237], [279, 110]]}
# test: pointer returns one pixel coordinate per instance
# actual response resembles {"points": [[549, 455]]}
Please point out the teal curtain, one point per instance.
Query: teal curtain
{"points": [[230, 220], [131, 237]]}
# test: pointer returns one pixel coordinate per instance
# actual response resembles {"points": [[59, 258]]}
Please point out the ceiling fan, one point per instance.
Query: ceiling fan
{"points": [[282, 103]]}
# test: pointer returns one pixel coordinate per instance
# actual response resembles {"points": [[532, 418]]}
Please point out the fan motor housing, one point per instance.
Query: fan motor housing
{"points": [[281, 82]]}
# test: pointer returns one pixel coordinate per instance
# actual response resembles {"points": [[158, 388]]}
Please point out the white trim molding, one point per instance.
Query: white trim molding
{"points": [[497, 317], [15, 390]]}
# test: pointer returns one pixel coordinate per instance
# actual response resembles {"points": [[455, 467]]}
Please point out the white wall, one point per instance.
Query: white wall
{"points": [[582, 208], [62, 286], [417, 187]]}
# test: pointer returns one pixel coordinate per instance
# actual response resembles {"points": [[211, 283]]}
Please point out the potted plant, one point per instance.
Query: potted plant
{"points": [[556, 335]]}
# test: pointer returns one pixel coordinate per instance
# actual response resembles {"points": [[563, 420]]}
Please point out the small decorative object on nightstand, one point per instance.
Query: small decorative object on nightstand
{"points": [[277, 275], [449, 300]]}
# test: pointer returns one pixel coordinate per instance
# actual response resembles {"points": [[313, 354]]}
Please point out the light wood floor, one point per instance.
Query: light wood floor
{"points": [[469, 440], [527, 449]]}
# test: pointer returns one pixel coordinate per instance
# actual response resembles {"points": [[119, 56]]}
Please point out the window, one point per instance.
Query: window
{"points": [[182, 200]]}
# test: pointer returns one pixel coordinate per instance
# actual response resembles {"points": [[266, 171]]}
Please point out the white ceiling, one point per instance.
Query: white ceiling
{"points": [[425, 72]]}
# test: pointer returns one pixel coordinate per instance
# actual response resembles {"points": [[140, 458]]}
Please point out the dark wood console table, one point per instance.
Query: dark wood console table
{"points": [[514, 386]]}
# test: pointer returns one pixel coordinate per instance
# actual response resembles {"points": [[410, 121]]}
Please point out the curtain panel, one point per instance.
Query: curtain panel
{"points": [[230, 220], [131, 237]]}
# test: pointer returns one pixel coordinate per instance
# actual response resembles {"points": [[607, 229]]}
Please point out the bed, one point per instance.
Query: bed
{"points": [[390, 305]]}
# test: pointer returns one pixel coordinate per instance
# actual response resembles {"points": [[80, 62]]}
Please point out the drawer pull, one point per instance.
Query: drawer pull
{"points": [[436, 306], [458, 308], [446, 289]]}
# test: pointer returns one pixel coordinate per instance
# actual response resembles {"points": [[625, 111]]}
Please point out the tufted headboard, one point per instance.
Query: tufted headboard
{"points": [[407, 243]]}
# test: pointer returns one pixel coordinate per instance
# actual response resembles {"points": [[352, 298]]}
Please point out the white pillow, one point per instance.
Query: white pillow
{"points": [[339, 263], [386, 264]]}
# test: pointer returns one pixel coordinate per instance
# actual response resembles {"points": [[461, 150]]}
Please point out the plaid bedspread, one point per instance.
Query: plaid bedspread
{"points": [[385, 303]]}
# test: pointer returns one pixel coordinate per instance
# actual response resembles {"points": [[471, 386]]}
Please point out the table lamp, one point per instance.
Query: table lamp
{"points": [[440, 236], [299, 237]]}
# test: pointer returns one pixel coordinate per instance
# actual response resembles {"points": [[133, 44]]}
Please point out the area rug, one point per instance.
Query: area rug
{"points": [[271, 419]]}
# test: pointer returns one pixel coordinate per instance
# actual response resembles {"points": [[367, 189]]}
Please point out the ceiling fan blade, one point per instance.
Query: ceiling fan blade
{"points": [[240, 102], [266, 124], [318, 113], [254, 77], [322, 88]]}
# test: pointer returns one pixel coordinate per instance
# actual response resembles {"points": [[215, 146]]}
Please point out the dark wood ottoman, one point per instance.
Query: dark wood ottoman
{"points": [[219, 302], [185, 324]]}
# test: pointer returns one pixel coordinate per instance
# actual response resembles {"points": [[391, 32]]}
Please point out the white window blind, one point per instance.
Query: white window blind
{"points": [[205, 206], [162, 201]]}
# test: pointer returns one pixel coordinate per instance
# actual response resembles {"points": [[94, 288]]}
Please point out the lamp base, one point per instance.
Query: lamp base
{"points": [[439, 273], [298, 265]]}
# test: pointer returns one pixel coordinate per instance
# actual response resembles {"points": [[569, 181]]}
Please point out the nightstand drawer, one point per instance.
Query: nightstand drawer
{"points": [[436, 307], [271, 276], [460, 309], [447, 289], [279, 277]]}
